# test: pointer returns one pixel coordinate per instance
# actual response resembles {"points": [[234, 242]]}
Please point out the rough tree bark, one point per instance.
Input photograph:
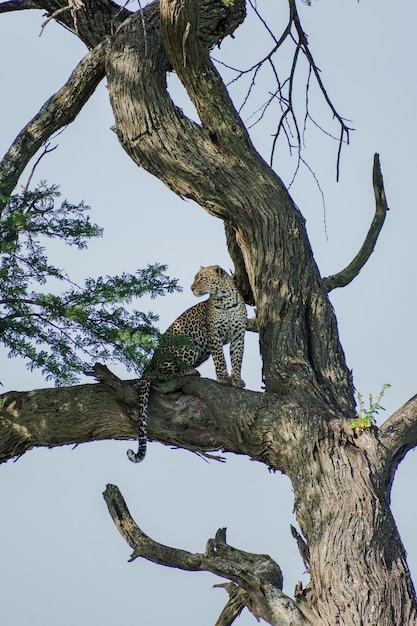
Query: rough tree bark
{"points": [[300, 424]]}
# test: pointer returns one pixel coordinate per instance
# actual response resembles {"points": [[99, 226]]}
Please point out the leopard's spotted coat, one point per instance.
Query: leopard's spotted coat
{"points": [[200, 331]]}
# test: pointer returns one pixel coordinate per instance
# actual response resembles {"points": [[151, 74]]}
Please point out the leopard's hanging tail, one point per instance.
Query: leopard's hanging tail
{"points": [[144, 386]]}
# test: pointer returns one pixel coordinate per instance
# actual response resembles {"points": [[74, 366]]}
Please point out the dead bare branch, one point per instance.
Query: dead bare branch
{"points": [[46, 150], [283, 93], [73, 6], [238, 599], [258, 576], [343, 278]]}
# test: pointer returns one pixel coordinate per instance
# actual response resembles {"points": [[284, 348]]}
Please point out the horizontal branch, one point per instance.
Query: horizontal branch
{"points": [[60, 110], [94, 412], [350, 272], [258, 575], [195, 414], [192, 413], [59, 416]]}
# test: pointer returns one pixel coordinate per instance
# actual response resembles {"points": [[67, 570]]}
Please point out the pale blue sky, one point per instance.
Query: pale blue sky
{"points": [[62, 558]]}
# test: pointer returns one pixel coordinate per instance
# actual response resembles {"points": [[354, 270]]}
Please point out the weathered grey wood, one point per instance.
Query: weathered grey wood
{"points": [[257, 574]]}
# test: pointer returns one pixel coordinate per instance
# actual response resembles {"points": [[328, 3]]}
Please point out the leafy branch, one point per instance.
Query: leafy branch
{"points": [[63, 334]]}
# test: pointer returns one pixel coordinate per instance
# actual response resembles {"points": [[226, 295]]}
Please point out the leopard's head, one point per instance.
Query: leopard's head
{"points": [[209, 279]]}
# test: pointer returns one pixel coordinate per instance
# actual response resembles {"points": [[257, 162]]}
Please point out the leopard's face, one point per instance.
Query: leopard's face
{"points": [[209, 280]]}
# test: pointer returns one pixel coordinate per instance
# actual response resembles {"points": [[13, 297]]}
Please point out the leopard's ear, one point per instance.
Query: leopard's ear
{"points": [[219, 270]]}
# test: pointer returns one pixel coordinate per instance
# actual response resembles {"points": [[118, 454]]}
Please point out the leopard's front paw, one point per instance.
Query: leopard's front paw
{"points": [[231, 380], [223, 379], [237, 382]]}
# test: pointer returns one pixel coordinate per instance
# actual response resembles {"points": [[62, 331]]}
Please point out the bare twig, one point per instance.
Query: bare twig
{"points": [[73, 6], [261, 19], [46, 150], [302, 41], [289, 110], [350, 272], [287, 123]]}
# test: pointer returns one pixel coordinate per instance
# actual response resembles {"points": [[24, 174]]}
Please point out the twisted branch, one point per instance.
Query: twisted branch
{"points": [[258, 576]]}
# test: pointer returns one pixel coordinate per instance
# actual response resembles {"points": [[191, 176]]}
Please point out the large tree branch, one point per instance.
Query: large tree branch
{"points": [[204, 416], [350, 272], [188, 52], [189, 30], [83, 413], [258, 575], [148, 122], [58, 111], [193, 413]]}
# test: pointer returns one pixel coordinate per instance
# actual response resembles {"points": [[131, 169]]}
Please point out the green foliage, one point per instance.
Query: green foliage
{"points": [[63, 334], [366, 415]]}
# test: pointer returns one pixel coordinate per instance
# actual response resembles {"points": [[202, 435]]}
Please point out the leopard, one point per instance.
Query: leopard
{"points": [[201, 331]]}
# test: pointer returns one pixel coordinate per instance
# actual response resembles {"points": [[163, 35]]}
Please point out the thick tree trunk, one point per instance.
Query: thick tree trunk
{"points": [[300, 425], [357, 562]]}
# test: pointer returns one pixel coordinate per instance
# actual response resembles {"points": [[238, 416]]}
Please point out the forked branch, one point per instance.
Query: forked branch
{"points": [[350, 272], [258, 576], [188, 52]]}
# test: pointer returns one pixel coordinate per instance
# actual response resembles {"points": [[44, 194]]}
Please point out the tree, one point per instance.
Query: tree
{"points": [[304, 417]]}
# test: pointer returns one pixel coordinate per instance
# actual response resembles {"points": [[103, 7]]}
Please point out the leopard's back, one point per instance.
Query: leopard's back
{"points": [[193, 325]]}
